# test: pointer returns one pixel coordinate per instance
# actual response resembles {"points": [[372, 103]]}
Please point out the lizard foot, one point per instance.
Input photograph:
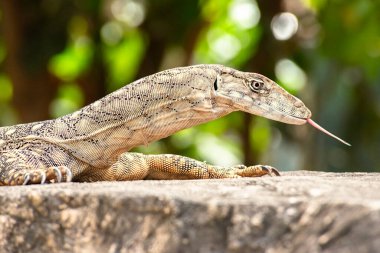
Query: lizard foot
{"points": [[54, 174], [256, 171], [271, 171]]}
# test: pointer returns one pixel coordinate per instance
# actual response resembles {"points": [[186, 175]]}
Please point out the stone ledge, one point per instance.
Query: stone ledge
{"points": [[298, 212]]}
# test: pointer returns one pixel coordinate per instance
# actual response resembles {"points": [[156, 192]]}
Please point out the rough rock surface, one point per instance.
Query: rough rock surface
{"points": [[298, 212]]}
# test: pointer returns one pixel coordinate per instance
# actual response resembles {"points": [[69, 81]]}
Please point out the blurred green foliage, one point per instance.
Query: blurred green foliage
{"points": [[326, 52], [123, 58]]}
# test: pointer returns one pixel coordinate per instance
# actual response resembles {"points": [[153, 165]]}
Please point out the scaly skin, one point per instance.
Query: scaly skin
{"points": [[91, 144]]}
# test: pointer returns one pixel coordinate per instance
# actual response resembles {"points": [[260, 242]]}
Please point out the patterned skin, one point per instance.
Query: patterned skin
{"points": [[91, 144]]}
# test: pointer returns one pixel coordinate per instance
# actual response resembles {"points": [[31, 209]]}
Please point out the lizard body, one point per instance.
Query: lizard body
{"points": [[91, 144]]}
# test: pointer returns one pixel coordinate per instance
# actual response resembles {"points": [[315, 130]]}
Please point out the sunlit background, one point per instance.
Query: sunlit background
{"points": [[57, 56]]}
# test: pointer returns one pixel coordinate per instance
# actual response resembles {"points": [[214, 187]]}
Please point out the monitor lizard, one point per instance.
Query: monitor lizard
{"points": [[91, 144]]}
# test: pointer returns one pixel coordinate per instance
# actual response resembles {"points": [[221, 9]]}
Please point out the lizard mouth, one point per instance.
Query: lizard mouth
{"points": [[291, 119], [300, 119]]}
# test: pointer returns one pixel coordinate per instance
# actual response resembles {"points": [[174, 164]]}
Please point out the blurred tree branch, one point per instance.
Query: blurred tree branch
{"points": [[33, 86]]}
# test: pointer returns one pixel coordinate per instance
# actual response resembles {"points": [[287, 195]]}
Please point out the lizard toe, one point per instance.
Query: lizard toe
{"points": [[67, 172], [53, 175], [34, 177], [257, 171], [58, 174], [271, 171]]}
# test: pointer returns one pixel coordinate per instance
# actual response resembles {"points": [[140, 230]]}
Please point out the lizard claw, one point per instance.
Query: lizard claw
{"points": [[43, 177], [31, 179], [270, 170], [256, 171], [62, 174], [58, 174], [54, 174], [68, 173], [26, 179]]}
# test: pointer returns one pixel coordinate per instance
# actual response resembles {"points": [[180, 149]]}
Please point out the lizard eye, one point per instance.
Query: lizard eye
{"points": [[256, 85]]}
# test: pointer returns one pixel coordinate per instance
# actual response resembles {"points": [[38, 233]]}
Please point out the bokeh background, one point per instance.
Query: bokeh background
{"points": [[57, 56]]}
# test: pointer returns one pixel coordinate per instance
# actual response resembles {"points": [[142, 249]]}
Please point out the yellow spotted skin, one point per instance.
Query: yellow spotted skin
{"points": [[92, 143]]}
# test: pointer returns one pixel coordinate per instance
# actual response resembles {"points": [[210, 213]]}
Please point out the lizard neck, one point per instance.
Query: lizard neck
{"points": [[149, 109]]}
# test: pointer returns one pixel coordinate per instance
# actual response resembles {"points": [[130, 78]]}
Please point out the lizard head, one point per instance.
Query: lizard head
{"points": [[257, 94]]}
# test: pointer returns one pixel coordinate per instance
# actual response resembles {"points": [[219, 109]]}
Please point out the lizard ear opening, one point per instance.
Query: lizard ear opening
{"points": [[216, 84]]}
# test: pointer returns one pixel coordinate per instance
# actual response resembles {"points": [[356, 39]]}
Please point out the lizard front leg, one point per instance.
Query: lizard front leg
{"points": [[135, 166], [20, 167]]}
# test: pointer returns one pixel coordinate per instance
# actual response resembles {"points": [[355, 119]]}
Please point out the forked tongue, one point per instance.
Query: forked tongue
{"points": [[311, 122]]}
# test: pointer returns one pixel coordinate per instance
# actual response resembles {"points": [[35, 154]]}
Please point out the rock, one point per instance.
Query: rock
{"points": [[298, 212]]}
